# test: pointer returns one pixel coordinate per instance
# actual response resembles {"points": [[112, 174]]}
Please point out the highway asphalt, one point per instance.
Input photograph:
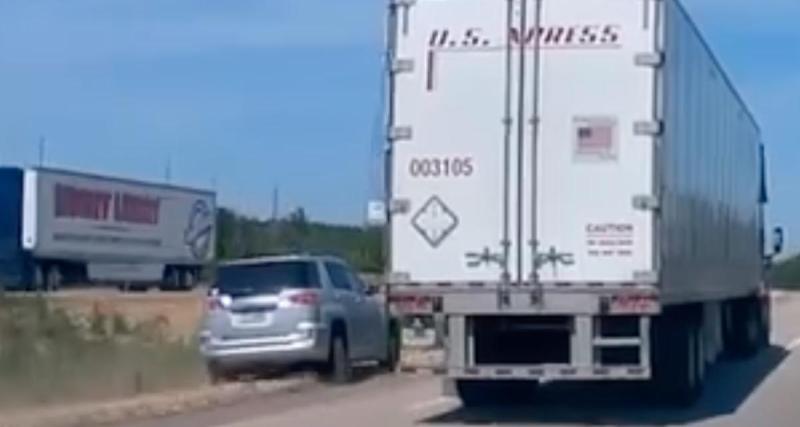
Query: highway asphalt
{"points": [[762, 391]]}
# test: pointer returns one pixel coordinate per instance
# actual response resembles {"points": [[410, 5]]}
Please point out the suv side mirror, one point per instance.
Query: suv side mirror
{"points": [[777, 240], [371, 290]]}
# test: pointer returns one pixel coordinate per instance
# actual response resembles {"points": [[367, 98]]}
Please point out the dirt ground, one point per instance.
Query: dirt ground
{"points": [[178, 313]]}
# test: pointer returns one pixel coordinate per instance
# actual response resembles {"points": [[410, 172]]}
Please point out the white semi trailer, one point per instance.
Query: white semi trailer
{"points": [[576, 188], [61, 227]]}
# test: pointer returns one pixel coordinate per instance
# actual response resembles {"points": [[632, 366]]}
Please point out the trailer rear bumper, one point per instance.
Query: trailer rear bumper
{"points": [[546, 373], [548, 299], [545, 347]]}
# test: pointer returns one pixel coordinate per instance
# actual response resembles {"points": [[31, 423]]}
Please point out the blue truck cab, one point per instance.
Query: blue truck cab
{"points": [[16, 264]]}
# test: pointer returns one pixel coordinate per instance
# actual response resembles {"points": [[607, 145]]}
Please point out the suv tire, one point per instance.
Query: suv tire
{"points": [[340, 370], [219, 375]]}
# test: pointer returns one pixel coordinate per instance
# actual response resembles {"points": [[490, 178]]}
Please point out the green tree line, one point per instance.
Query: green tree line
{"points": [[239, 236], [786, 274]]}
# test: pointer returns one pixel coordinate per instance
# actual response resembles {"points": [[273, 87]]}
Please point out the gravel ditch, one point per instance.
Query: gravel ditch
{"points": [[153, 405]]}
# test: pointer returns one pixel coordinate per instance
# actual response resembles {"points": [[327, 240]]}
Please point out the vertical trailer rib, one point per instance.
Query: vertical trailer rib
{"points": [[506, 243], [523, 31], [537, 52], [391, 46]]}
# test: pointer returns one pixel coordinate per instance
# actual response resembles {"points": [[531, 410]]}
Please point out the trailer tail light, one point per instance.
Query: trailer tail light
{"points": [[305, 298], [415, 303], [631, 303]]}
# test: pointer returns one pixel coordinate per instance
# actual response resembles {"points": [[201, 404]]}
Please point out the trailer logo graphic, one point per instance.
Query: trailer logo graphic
{"points": [[198, 230], [435, 221]]}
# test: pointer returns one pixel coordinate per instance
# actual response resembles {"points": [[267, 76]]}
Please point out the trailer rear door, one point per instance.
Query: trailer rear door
{"points": [[470, 167], [595, 175], [448, 164]]}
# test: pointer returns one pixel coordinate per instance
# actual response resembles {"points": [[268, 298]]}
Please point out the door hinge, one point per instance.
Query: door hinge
{"points": [[402, 65], [400, 133], [648, 128], [645, 202], [649, 59], [399, 206], [405, 6]]}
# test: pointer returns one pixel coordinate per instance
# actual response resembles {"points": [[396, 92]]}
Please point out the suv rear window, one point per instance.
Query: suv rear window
{"points": [[267, 278]]}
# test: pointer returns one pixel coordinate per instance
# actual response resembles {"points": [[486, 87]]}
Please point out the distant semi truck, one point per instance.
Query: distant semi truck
{"points": [[61, 227], [577, 189]]}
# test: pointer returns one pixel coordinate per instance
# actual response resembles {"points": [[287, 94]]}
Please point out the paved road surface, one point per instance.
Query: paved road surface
{"points": [[764, 391]]}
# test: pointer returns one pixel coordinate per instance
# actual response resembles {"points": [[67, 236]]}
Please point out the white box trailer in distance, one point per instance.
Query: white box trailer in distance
{"points": [[70, 227], [576, 187]]}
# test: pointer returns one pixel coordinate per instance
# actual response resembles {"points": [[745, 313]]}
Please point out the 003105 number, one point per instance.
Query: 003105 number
{"points": [[441, 167]]}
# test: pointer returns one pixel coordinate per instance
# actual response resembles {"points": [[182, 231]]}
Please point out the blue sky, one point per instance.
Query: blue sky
{"points": [[250, 93], [262, 93]]}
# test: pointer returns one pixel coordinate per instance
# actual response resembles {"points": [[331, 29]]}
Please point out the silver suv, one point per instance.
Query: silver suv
{"points": [[295, 310]]}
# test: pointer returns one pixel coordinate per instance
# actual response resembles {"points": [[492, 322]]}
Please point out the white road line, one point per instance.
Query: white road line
{"points": [[429, 404], [794, 344]]}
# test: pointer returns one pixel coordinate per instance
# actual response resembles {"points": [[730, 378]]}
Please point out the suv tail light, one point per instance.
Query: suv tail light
{"points": [[308, 298], [218, 302]]}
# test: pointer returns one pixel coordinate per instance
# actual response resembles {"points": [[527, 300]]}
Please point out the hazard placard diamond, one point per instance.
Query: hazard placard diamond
{"points": [[435, 221]]}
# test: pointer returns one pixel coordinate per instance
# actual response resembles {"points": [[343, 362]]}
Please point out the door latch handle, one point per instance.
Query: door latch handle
{"points": [[555, 258], [476, 259]]}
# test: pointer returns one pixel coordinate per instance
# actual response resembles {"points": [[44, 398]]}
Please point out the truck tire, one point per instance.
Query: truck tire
{"points": [[474, 393], [765, 327], [170, 281], [679, 359], [47, 278], [189, 281], [178, 280], [747, 329], [54, 278], [38, 279]]}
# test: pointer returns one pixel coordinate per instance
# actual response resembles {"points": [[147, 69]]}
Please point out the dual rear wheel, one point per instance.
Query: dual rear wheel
{"points": [[680, 348]]}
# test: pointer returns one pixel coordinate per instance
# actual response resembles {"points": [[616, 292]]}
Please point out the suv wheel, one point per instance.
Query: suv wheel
{"points": [[219, 375], [340, 369]]}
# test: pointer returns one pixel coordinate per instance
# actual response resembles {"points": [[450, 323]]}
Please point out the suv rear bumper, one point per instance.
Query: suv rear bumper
{"points": [[273, 351]]}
